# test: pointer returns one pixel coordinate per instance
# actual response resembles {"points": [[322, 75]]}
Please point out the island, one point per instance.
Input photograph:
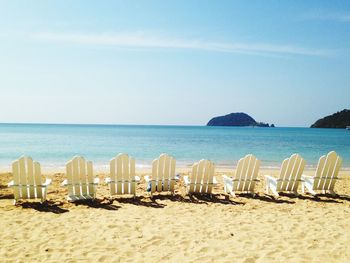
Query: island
{"points": [[238, 119], [340, 119]]}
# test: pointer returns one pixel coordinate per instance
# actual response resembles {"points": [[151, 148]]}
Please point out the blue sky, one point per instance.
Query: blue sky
{"points": [[173, 62]]}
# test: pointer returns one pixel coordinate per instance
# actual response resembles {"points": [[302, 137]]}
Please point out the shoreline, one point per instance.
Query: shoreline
{"points": [[142, 169]]}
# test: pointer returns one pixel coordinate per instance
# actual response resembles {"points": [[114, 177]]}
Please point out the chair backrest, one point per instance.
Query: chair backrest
{"points": [[327, 171], [163, 174], [202, 177], [122, 173], [246, 173], [290, 173], [27, 178], [80, 178]]}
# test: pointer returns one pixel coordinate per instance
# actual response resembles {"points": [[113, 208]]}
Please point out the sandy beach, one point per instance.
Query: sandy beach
{"points": [[176, 228]]}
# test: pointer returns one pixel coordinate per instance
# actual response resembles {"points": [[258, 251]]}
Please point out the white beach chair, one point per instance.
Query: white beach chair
{"points": [[202, 178], [245, 177], [122, 178], [80, 181], [325, 176], [289, 178], [27, 180], [163, 174]]}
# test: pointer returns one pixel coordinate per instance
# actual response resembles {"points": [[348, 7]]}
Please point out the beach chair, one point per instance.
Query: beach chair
{"points": [[325, 176], [245, 177], [27, 180], [163, 174], [80, 181], [202, 178], [289, 178], [122, 178]]}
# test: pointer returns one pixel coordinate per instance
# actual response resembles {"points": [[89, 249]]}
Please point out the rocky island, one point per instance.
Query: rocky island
{"points": [[238, 119], [340, 119]]}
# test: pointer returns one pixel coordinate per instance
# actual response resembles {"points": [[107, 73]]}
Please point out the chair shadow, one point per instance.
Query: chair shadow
{"points": [[6, 196], [311, 198], [215, 198], [98, 203], [174, 198], [266, 198], [340, 197], [138, 200], [47, 206], [197, 199]]}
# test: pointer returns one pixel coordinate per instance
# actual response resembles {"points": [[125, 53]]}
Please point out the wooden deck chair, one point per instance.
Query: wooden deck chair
{"points": [[27, 180], [80, 181], [289, 178], [325, 176], [202, 178], [122, 178], [163, 174], [245, 177]]}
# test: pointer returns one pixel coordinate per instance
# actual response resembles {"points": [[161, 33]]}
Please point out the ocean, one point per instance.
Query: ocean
{"points": [[54, 144]]}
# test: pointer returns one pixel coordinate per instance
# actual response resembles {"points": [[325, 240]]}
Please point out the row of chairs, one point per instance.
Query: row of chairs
{"points": [[81, 183]]}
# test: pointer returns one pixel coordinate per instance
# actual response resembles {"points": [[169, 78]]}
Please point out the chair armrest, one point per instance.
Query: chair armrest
{"points": [[96, 180], [227, 180], [186, 180], [108, 180], [147, 178], [64, 183], [307, 178], [48, 182], [225, 177], [214, 180], [270, 178], [10, 184]]}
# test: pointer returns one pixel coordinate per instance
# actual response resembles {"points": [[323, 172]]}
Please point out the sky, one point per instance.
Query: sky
{"points": [[173, 62]]}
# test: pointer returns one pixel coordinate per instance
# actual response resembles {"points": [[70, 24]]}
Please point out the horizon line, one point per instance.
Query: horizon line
{"points": [[133, 124]]}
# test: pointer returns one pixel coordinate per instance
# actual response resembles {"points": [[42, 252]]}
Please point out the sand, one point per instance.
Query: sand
{"points": [[177, 228]]}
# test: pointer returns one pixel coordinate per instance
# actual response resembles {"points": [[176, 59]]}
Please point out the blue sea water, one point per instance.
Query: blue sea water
{"points": [[53, 145]]}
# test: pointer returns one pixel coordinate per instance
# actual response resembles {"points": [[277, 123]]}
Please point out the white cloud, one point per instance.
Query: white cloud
{"points": [[336, 17], [146, 41]]}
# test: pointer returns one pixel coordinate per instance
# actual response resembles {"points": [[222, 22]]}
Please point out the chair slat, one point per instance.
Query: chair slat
{"points": [[90, 179], [112, 174], [83, 176], [23, 178], [199, 176], [172, 174], [126, 174], [154, 174], [16, 190], [119, 173], [193, 177], [160, 172], [166, 171], [40, 192], [76, 176], [29, 171], [132, 176]]}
